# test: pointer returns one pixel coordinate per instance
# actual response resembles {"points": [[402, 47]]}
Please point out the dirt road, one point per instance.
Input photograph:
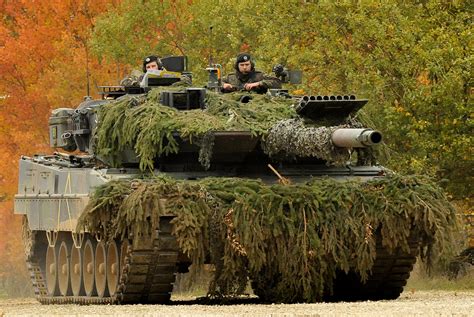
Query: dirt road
{"points": [[422, 303]]}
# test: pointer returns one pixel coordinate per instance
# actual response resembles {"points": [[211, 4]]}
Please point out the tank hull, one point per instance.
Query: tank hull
{"points": [[52, 196]]}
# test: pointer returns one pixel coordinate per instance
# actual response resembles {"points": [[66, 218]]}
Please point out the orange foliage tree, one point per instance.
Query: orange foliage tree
{"points": [[44, 60]]}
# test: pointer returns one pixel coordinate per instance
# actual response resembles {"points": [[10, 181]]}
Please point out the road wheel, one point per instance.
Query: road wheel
{"points": [[113, 267], [64, 269], [101, 269], [88, 267], [77, 284], [52, 272]]}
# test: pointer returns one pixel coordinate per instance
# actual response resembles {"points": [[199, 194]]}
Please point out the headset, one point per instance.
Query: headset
{"points": [[152, 58]]}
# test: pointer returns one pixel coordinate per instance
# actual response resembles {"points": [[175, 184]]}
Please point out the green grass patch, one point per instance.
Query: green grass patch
{"points": [[420, 280], [3, 294]]}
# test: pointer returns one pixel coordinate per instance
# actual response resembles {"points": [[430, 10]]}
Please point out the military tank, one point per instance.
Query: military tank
{"points": [[77, 253]]}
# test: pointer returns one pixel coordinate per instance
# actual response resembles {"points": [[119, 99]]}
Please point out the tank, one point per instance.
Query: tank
{"points": [[128, 201]]}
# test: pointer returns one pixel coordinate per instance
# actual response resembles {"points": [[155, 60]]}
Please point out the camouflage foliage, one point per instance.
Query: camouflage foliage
{"points": [[292, 138], [141, 123], [303, 233]]}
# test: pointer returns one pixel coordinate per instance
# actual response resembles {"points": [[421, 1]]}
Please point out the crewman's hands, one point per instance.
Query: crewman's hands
{"points": [[252, 85], [248, 87], [227, 86]]}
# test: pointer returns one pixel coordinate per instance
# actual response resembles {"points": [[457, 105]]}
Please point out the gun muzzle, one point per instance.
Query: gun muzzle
{"points": [[351, 138]]}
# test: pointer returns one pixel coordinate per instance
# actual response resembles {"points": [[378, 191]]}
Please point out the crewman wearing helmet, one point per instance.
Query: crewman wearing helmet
{"points": [[247, 78], [151, 62]]}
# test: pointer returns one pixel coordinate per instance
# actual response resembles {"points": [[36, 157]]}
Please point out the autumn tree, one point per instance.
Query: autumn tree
{"points": [[44, 62]]}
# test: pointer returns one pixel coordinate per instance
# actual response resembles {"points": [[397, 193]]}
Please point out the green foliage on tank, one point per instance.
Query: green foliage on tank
{"points": [[141, 123], [304, 232]]}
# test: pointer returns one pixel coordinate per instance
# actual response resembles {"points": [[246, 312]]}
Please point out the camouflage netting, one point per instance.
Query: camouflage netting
{"points": [[140, 123], [293, 138], [303, 232], [301, 137]]}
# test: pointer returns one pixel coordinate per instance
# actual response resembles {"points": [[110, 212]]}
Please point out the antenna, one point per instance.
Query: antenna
{"points": [[214, 70], [87, 72], [210, 46]]}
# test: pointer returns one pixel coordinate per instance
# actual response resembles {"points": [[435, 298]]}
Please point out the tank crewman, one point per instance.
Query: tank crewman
{"points": [[151, 62], [247, 78]]}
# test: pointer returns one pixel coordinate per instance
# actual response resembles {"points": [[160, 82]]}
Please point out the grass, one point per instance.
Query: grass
{"points": [[420, 280], [3, 294], [193, 284]]}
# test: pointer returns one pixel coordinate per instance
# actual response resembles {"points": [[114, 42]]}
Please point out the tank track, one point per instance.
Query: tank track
{"points": [[388, 276], [386, 280], [147, 276]]}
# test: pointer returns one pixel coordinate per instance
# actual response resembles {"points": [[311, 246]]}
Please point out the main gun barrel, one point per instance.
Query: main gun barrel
{"points": [[351, 138]]}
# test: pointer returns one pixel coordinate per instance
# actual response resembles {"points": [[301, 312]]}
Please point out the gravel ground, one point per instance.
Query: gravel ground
{"points": [[419, 303]]}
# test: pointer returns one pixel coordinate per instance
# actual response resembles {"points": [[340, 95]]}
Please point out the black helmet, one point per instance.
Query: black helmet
{"points": [[244, 57], [152, 58]]}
